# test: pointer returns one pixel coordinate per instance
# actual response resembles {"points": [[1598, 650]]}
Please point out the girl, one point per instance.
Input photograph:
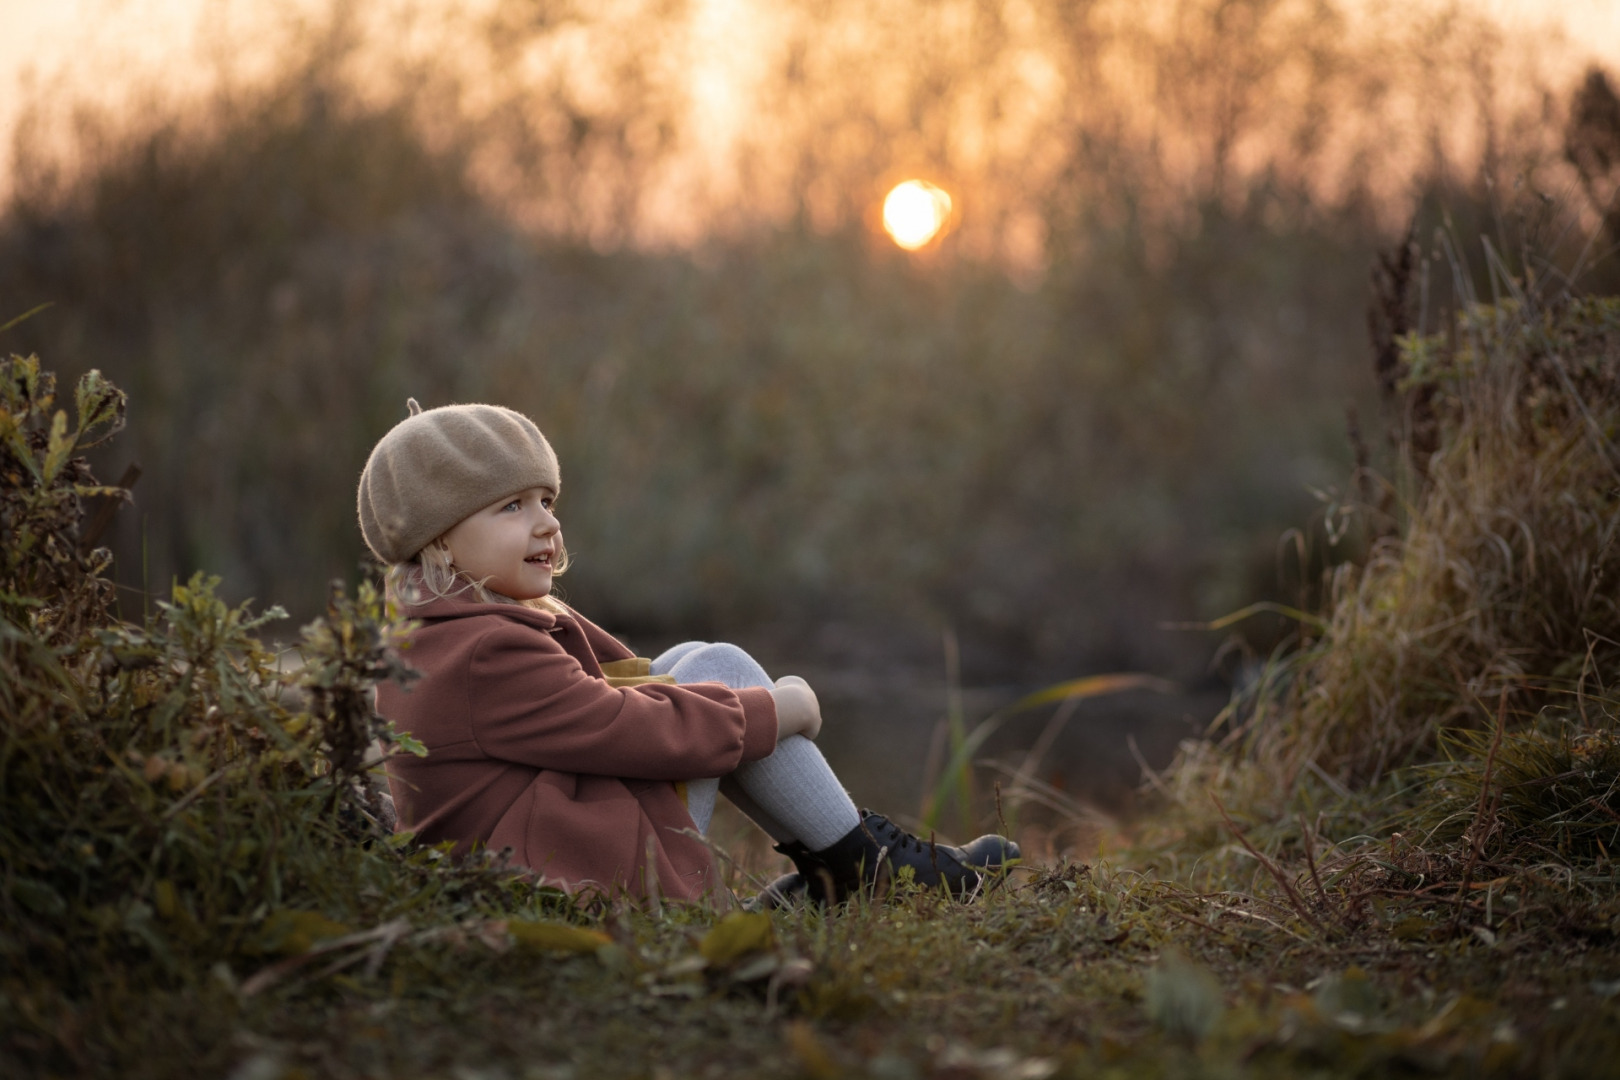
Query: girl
{"points": [[545, 735]]}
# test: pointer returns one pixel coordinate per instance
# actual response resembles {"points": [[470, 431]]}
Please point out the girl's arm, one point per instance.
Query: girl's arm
{"points": [[531, 702], [797, 710]]}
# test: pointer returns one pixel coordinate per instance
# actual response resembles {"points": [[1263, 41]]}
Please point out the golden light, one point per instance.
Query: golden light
{"points": [[914, 212]]}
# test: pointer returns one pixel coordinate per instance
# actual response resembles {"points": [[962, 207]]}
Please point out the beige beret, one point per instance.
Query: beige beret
{"points": [[436, 467]]}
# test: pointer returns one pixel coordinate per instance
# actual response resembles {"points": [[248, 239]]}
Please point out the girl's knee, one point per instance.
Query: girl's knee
{"points": [[673, 655], [724, 652], [721, 662]]}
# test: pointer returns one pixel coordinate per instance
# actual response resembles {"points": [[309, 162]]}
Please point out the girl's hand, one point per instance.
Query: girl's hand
{"points": [[797, 710]]}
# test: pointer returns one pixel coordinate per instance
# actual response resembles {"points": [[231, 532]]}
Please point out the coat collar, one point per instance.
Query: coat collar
{"points": [[463, 606]]}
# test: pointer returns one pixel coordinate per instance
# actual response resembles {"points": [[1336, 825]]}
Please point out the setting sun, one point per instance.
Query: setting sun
{"points": [[914, 212]]}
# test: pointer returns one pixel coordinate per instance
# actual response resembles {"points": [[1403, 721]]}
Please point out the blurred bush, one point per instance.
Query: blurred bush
{"points": [[1055, 447], [1454, 712], [176, 807], [1494, 598]]}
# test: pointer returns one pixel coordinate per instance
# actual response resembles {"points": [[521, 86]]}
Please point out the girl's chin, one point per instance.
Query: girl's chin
{"points": [[531, 590]]}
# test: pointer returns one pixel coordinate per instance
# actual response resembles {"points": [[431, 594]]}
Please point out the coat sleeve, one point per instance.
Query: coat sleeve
{"points": [[531, 703]]}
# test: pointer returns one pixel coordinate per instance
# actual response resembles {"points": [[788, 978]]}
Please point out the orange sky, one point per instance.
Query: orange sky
{"points": [[87, 38], [95, 45]]}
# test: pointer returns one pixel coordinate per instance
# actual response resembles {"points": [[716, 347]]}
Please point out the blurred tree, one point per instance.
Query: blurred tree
{"points": [[1592, 145], [790, 416]]}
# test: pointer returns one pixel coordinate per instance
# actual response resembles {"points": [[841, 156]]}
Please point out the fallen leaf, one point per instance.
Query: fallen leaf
{"points": [[556, 937], [1183, 997], [737, 935], [290, 931], [812, 1055]]}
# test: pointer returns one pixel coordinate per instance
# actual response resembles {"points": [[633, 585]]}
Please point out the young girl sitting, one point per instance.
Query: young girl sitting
{"points": [[545, 736]]}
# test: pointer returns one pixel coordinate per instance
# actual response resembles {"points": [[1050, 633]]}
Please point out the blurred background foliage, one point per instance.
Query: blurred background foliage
{"points": [[1095, 407]]}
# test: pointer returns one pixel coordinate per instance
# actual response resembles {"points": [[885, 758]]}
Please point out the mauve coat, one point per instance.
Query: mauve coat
{"points": [[529, 748]]}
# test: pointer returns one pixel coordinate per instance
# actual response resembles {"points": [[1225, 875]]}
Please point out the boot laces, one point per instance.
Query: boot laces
{"points": [[894, 837]]}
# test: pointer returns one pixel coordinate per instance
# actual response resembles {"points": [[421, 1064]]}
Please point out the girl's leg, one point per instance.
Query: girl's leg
{"points": [[754, 812], [700, 794], [793, 794], [797, 788]]}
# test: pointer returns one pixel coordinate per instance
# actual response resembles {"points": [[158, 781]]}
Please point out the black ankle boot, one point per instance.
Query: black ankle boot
{"points": [[869, 857], [785, 891]]}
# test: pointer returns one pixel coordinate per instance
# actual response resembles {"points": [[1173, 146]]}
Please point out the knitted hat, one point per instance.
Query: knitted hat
{"points": [[434, 468]]}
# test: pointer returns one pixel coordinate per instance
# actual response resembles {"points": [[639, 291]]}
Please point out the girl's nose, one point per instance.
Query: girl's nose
{"points": [[545, 523]]}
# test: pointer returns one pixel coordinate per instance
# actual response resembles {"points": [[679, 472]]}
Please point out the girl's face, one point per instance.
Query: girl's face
{"points": [[509, 545]]}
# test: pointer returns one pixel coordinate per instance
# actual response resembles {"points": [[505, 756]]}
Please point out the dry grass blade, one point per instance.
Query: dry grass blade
{"points": [[385, 936], [1296, 901], [1093, 686], [1316, 622], [1310, 859], [950, 780], [1029, 789], [1484, 814]]}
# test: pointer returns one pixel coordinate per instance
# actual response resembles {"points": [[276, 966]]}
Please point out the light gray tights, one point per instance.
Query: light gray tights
{"points": [[792, 794]]}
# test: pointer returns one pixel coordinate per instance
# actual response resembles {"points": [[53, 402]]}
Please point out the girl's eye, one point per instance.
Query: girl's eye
{"points": [[515, 504]]}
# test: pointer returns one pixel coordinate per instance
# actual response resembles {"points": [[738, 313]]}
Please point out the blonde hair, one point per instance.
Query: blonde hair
{"points": [[431, 573]]}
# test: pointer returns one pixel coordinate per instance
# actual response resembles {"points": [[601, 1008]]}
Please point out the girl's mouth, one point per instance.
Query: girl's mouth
{"points": [[543, 559]]}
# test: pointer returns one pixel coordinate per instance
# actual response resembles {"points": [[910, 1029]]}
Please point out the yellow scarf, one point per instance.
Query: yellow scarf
{"points": [[637, 671]]}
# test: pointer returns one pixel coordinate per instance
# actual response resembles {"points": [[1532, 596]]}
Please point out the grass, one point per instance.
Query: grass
{"points": [[1069, 972]]}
